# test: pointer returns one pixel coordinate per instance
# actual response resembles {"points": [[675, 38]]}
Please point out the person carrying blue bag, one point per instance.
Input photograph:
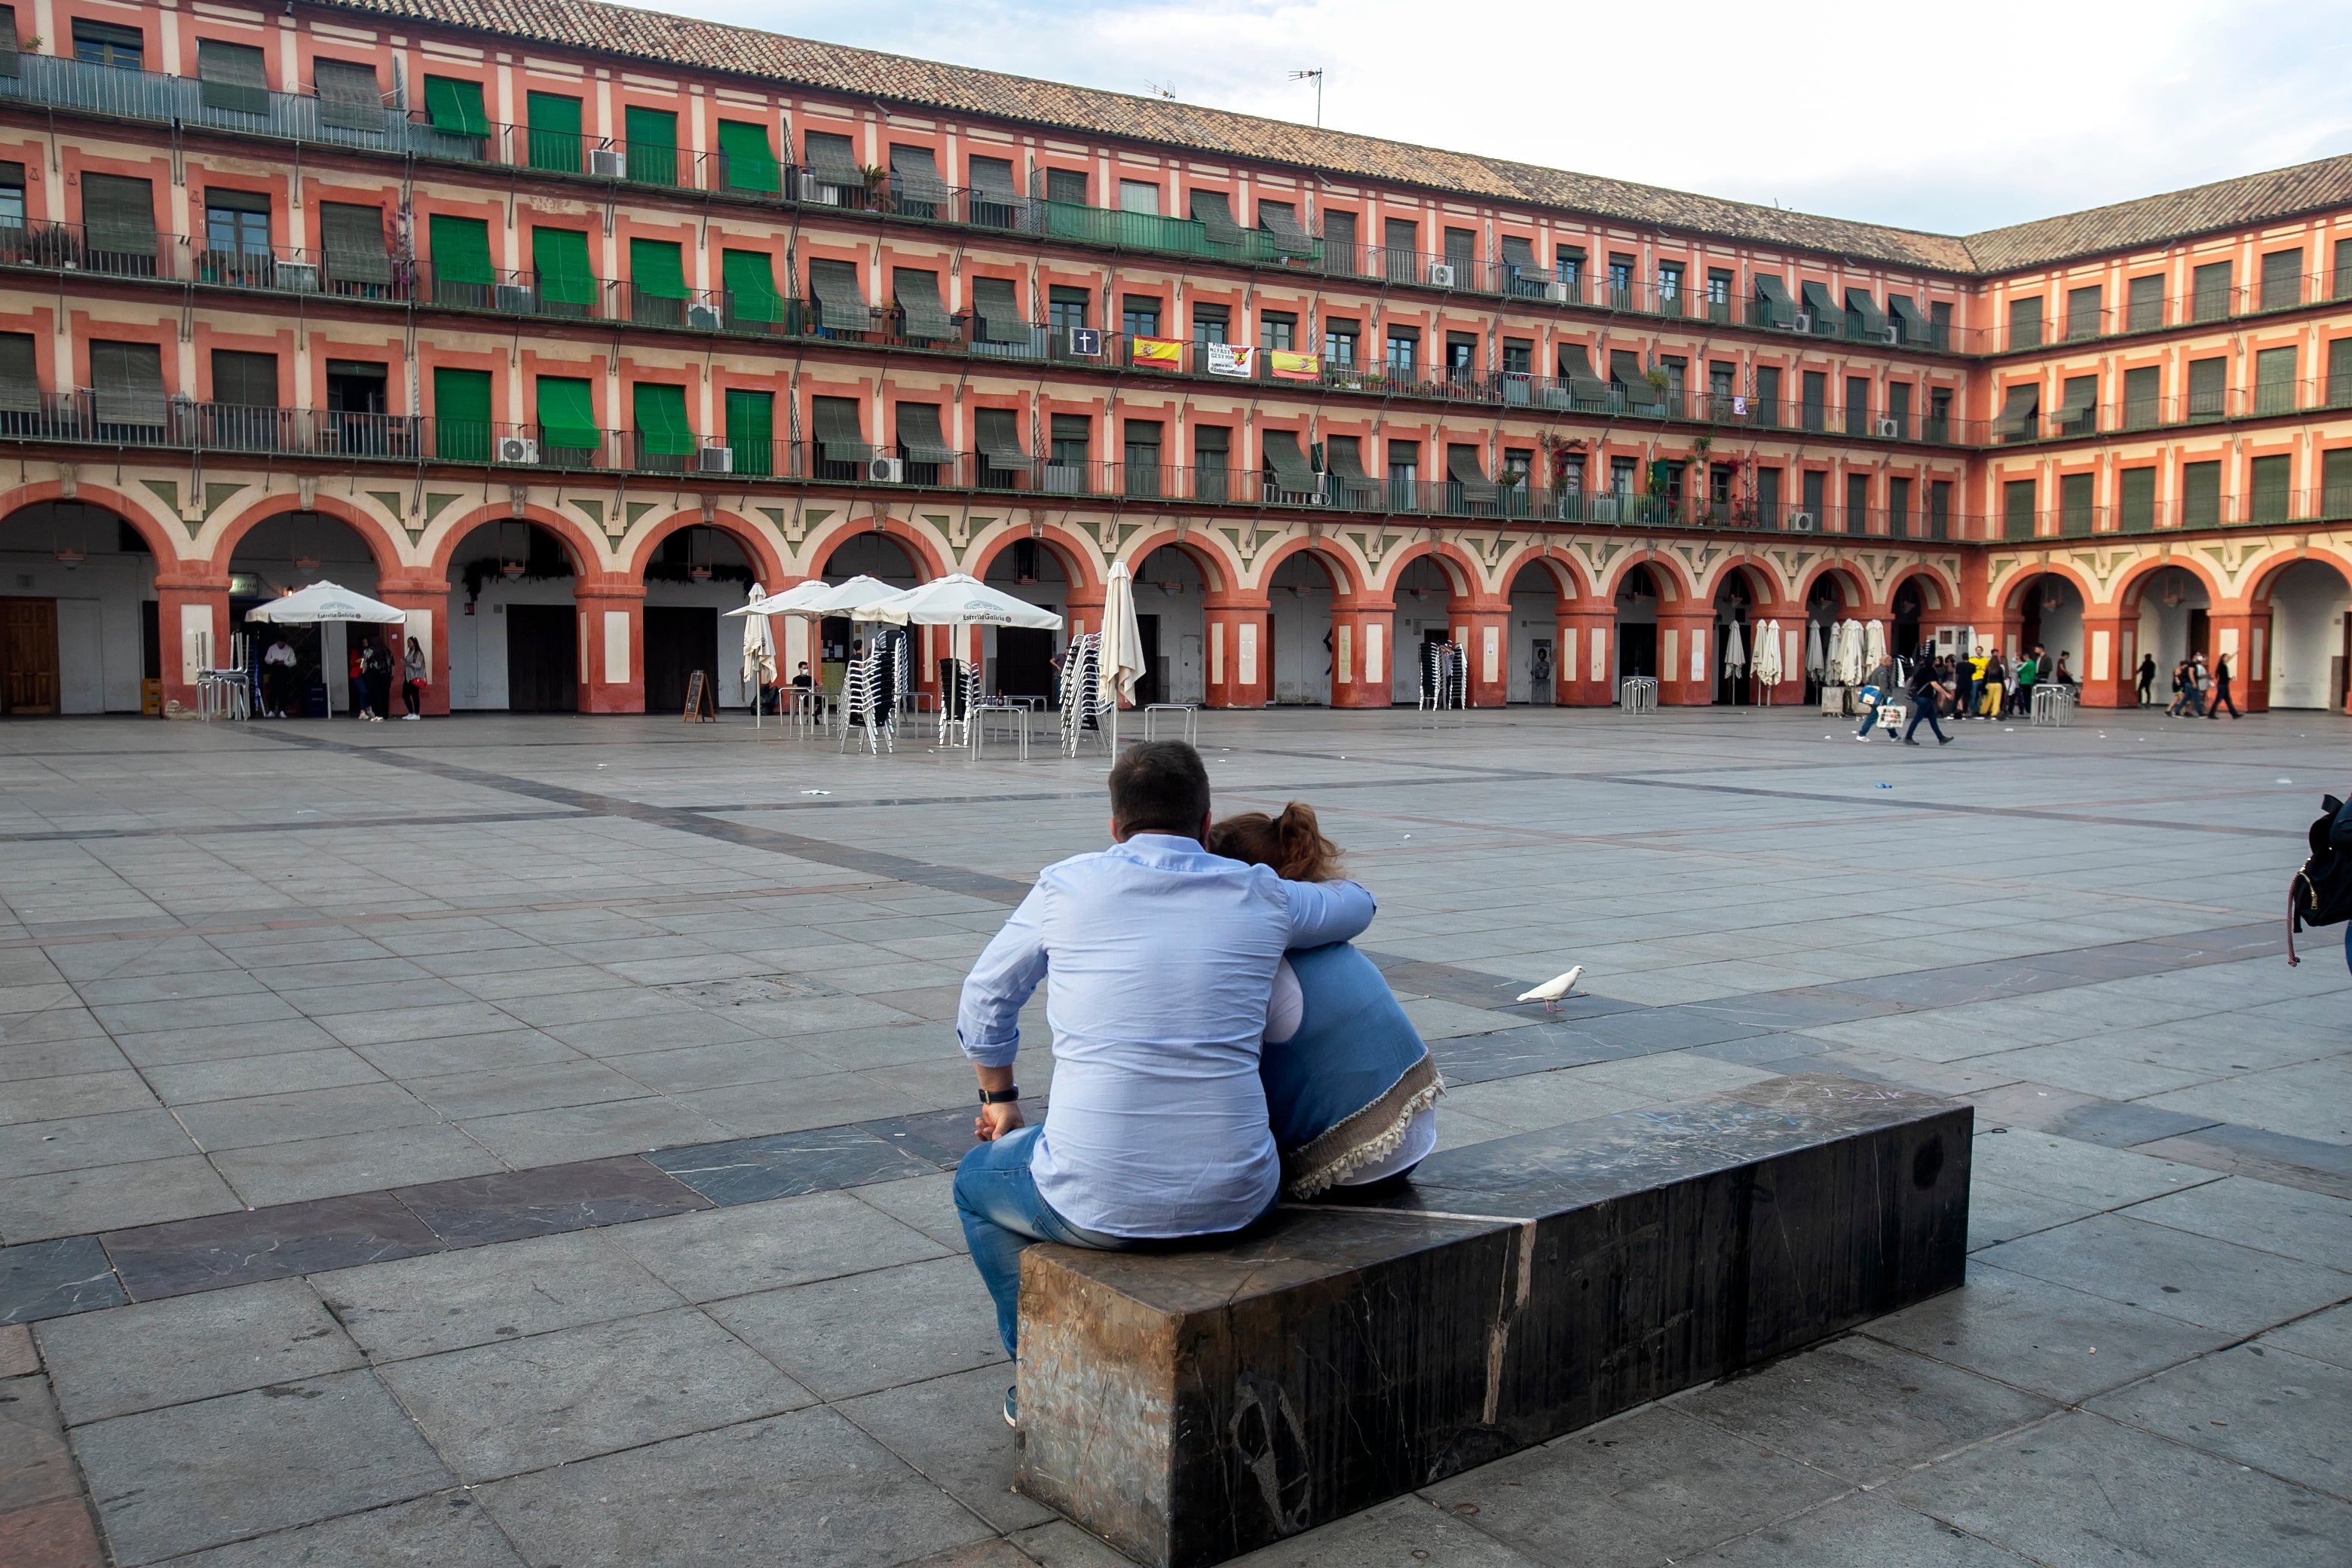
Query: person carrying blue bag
{"points": [[1351, 1089]]}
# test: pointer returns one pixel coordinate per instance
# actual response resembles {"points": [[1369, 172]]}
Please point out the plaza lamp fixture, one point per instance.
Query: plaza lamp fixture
{"points": [[697, 567], [70, 555], [2171, 593], [511, 566], [2049, 598]]}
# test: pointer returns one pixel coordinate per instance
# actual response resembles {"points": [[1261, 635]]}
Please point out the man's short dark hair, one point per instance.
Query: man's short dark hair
{"points": [[1159, 786]]}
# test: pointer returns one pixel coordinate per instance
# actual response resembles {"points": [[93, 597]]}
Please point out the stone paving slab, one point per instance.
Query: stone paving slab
{"points": [[656, 1057]]}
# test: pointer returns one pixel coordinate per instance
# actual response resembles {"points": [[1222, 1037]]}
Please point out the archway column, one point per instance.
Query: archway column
{"points": [[1789, 692], [191, 628], [1686, 643], [1482, 629], [613, 646], [2112, 634], [1585, 672], [1238, 629], [1363, 653], [427, 600], [2244, 638]]}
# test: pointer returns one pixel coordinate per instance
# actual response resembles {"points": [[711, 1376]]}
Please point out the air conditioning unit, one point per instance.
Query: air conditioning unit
{"points": [[1887, 429], [885, 471], [1440, 276], [608, 163], [1804, 322], [518, 449], [518, 299], [1556, 292], [1797, 324], [1800, 523], [703, 318], [1891, 333], [714, 459], [300, 277]]}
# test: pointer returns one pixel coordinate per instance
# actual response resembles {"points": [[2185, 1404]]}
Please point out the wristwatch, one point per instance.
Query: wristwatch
{"points": [[1000, 1096]]}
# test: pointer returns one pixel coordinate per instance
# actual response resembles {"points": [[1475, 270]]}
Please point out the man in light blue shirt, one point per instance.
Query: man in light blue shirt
{"points": [[1161, 958]]}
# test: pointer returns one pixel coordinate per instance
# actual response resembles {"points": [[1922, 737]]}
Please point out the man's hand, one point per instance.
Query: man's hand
{"points": [[996, 1121]]}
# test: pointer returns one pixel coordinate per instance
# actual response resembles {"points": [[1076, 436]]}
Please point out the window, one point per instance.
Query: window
{"points": [[2146, 310], [1518, 356], [1858, 505], [559, 256], [460, 261], [1670, 286], [1814, 481], [352, 239], [2016, 503], [1621, 476], [2274, 380], [832, 161], [554, 139], [1066, 185], [915, 183], [1209, 323], [117, 215], [350, 98], [237, 223], [1677, 371], [664, 439], [2021, 412], [1768, 497], [12, 196], [1401, 236], [751, 430], [568, 431], [1461, 357], [1766, 411], [841, 449], [1939, 414], [2208, 387], [1568, 268], [1340, 242], [656, 281], [1898, 508], [2266, 491], [1722, 378], [461, 414], [991, 176], [1899, 407], [1718, 293], [1138, 196], [2281, 278], [247, 380], [922, 443], [1065, 308], [746, 162], [2141, 387], [997, 317], [1211, 456], [1939, 508], [1141, 438], [2024, 322], [454, 107], [840, 296], [2343, 290], [1857, 405], [1073, 433], [649, 145], [2078, 405], [1815, 414], [1139, 316], [2201, 495], [1404, 475], [1461, 252], [2339, 372], [2336, 482], [2084, 318], [1339, 343], [103, 44], [231, 77], [1404, 349], [2209, 292], [1621, 282], [1279, 330], [749, 278], [2076, 492], [2136, 499]]}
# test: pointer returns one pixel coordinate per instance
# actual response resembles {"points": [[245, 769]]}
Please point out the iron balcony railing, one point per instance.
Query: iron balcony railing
{"points": [[2062, 321], [2203, 407], [2253, 509]]}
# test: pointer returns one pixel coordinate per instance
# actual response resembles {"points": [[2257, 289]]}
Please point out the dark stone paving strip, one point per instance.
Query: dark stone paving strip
{"points": [[452, 819], [475, 1210], [51, 1278], [183, 1256]]}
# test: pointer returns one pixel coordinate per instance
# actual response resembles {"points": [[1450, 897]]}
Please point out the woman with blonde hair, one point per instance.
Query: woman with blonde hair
{"points": [[1350, 1086]]}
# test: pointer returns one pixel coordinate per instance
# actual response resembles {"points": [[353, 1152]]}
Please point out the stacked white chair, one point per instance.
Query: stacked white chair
{"points": [[1081, 700]]}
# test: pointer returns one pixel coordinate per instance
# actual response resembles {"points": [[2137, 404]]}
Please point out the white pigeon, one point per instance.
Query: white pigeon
{"points": [[1552, 989]]}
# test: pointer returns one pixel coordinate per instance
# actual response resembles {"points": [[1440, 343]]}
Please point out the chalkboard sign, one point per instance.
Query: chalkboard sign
{"points": [[701, 703]]}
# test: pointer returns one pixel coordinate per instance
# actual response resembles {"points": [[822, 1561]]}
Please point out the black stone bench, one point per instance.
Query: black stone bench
{"points": [[1189, 1407]]}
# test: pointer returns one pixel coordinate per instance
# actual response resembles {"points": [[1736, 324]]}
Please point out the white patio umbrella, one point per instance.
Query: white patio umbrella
{"points": [[958, 599], [1122, 646], [759, 648], [1735, 657], [1765, 663], [787, 602], [1874, 645], [1815, 664], [321, 603], [844, 598]]}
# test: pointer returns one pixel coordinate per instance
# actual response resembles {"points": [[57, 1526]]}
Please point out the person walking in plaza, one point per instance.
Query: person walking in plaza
{"points": [[1875, 692], [2029, 670], [1996, 686], [1163, 958], [1927, 689], [2200, 678], [277, 677], [2146, 679], [412, 674], [2222, 697]]}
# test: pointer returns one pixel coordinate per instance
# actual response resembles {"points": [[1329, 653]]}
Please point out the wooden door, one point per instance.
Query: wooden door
{"points": [[28, 656]]}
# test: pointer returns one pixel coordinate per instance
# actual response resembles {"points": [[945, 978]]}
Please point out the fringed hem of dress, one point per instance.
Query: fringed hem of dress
{"points": [[1370, 1135]]}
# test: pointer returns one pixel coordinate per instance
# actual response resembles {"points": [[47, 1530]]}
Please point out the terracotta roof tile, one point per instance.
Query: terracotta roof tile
{"points": [[2155, 220]]}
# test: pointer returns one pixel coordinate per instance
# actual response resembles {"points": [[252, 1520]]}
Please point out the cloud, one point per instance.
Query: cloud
{"points": [[1923, 117]]}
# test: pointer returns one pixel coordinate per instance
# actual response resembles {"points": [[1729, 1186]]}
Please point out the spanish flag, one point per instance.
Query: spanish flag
{"points": [[1169, 351], [1287, 365]]}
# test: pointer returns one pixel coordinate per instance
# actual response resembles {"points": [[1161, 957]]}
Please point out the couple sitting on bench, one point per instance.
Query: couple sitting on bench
{"points": [[1217, 1044]]}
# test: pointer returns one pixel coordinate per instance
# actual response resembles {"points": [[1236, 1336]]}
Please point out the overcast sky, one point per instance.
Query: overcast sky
{"points": [[1952, 118]]}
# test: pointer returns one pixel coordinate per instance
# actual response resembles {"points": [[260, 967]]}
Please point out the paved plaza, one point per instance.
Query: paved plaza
{"points": [[519, 1139]]}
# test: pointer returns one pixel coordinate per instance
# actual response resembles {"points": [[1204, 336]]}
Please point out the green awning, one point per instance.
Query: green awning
{"points": [[555, 132], [751, 430], [839, 439], [1772, 294], [567, 415], [919, 434], [2019, 408], [1827, 316], [1520, 252], [650, 145], [1906, 314], [1283, 455], [657, 269], [560, 256], [461, 249], [461, 414], [352, 238], [745, 161], [996, 432], [1214, 211], [1858, 302], [1461, 468], [918, 294], [231, 77], [661, 419], [1000, 318], [455, 105], [834, 284], [917, 175], [832, 161], [350, 98], [750, 283]]}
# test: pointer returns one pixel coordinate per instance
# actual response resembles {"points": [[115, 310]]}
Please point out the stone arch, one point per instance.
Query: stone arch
{"points": [[2134, 578], [1347, 581], [371, 531], [2266, 576], [2010, 600], [1463, 577], [1079, 559], [1934, 593], [1219, 571], [827, 537], [1760, 574], [161, 542], [1674, 585], [767, 565], [586, 550], [1568, 579], [1853, 586]]}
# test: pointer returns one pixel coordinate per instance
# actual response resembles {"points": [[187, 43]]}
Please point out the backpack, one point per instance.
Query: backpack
{"points": [[2321, 893]]}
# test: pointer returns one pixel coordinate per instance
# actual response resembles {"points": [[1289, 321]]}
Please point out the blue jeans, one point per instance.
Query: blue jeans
{"points": [[1922, 712], [997, 1200]]}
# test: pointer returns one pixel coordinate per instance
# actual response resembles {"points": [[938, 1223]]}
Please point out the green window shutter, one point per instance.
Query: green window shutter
{"points": [[2266, 488], [2084, 315], [461, 416], [2209, 292], [751, 281], [2147, 306], [231, 77], [661, 419], [2016, 503], [567, 415], [751, 430], [352, 238], [461, 249], [832, 161], [118, 214], [8, 49], [129, 380], [745, 161], [2135, 498], [2075, 509], [2201, 495], [2208, 387], [2274, 390], [247, 380], [656, 267], [560, 256], [2140, 397], [456, 107], [2281, 278], [555, 132], [2336, 482], [350, 98], [2339, 372], [20, 377], [918, 294], [651, 149], [2024, 322]]}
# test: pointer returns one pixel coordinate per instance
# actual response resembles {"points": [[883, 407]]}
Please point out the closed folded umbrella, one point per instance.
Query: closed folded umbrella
{"points": [[1122, 646], [1735, 657], [1814, 663], [759, 648], [1765, 662], [1874, 645]]}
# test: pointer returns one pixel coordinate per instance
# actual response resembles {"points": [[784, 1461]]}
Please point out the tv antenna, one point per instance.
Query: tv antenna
{"points": [[1161, 91], [1315, 76]]}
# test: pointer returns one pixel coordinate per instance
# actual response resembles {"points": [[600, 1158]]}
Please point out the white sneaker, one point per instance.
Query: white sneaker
{"points": [[1864, 739], [412, 718]]}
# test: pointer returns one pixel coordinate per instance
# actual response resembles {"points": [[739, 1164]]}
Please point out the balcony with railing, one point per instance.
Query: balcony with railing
{"points": [[2262, 400], [2067, 321], [2212, 510]]}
